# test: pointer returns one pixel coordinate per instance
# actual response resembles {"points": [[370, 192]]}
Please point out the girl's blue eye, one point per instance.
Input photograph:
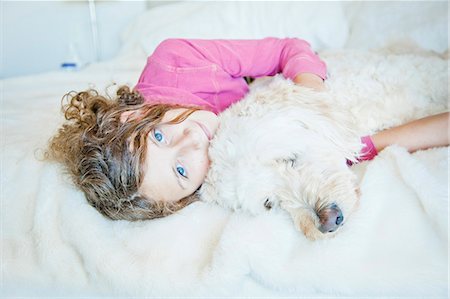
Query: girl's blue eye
{"points": [[181, 171], [158, 135]]}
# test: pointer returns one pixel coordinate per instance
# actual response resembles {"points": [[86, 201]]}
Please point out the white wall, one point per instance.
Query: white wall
{"points": [[36, 34]]}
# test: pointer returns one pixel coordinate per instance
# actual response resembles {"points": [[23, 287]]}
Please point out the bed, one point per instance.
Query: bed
{"points": [[54, 244]]}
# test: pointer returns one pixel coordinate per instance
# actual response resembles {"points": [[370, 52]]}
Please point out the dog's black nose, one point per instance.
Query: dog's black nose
{"points": [[339, 219], [330, 218]]}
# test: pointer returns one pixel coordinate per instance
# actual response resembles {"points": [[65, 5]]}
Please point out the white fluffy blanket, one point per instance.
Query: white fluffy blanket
{"points": [[54, 243]]}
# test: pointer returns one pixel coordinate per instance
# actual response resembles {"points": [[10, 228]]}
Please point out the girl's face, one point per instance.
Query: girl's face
{"points": [[177, 155]]}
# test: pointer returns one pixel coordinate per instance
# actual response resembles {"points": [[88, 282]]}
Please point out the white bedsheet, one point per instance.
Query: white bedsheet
{"points": [[53, 243]]}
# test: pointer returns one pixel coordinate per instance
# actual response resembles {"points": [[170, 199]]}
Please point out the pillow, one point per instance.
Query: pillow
{"points": [[380, 24], [323, 25]]}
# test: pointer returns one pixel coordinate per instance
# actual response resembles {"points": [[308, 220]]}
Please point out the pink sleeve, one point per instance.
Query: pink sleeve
{"points": [[368, 152], [239, 58]]}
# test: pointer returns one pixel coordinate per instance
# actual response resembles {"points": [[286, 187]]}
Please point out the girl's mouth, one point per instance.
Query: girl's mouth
{"points": [[205, 130]]}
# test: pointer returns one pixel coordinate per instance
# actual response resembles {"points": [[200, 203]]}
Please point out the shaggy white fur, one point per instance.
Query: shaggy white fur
{"points": [[284, 145]]}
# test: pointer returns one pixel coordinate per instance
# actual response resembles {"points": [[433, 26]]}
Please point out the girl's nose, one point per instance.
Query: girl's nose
{"points": [[189, 139]]}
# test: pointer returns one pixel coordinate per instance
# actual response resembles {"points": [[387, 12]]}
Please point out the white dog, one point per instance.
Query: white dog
{"points": [[287, 146]]}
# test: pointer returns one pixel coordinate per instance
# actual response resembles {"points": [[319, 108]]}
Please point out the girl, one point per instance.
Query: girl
{"points": [[144, 155]]}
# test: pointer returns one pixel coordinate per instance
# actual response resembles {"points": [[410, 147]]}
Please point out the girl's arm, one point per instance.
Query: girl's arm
{"points": [[240, 58], [421, 134], [424, 133]]}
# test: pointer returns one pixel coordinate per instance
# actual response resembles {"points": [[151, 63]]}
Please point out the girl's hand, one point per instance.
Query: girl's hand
{"points": [[310, 80]]}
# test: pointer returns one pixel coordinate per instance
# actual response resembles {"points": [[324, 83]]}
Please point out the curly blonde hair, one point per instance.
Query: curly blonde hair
{"points": [[105, 156]]}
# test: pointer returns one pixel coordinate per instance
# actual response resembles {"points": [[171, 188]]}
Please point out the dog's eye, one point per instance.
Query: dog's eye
{"points": [[267, 204], [291, 161]]}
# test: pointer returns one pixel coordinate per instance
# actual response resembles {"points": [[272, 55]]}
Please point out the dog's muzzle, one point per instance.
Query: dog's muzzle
{"points": [[331, 218]]}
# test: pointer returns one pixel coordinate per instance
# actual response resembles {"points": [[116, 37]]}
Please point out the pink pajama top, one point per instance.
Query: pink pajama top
{"points": [[209, 73]]}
